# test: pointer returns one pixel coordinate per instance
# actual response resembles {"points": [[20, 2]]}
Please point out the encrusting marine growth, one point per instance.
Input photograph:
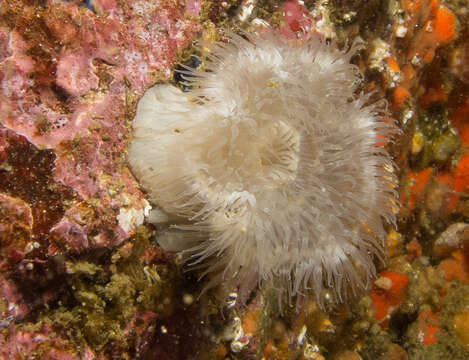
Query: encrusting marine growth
{"points": [[270, 168]]}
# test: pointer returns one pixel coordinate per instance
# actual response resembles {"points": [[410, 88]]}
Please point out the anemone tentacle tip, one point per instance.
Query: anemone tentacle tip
{"points": [[271, 166]]}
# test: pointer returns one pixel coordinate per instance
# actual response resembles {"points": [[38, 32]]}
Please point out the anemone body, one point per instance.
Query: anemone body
{"points": [[271, 165]]}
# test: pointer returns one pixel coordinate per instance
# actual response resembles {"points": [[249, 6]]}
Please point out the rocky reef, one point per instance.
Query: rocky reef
{"points": [[82, 276]]}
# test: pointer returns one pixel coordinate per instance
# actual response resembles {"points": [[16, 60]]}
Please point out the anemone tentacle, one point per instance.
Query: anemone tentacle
{"points": [[276, 167]]}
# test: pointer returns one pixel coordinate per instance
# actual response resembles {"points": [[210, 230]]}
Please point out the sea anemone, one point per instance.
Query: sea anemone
{"points": [[272, 167]]}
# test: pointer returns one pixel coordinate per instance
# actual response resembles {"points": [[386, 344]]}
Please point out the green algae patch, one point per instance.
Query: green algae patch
{"points": [[438, 142], [107, 293], [447, 343], [376, 344], [81, 267], [445, 146], [447, 346]]}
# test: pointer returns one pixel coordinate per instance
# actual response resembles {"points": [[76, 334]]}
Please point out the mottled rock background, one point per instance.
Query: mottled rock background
{"points": [[81, 274]]}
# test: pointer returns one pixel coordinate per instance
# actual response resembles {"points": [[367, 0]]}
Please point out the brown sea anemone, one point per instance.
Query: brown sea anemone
{"points": [[272, 167]]}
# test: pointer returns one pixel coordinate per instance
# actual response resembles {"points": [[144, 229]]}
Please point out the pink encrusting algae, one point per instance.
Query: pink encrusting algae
{"points": [[73, 100]]}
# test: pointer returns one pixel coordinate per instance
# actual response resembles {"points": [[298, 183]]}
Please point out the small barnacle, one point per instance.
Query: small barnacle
{"points": [[277, 172], [151, 274]]}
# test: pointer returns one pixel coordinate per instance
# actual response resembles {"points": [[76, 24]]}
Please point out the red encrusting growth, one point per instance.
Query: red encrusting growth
{"points": [[444, 25], [457, 266], [461, 174], [296, 19], [393, 66], [387, 301], [428, 329], [415, 187], [399, 96], [432, 96], [414, 250], [430, 25]]}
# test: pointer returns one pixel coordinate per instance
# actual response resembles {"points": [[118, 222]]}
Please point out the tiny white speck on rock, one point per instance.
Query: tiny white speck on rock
{"points": [[270, 168]]}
